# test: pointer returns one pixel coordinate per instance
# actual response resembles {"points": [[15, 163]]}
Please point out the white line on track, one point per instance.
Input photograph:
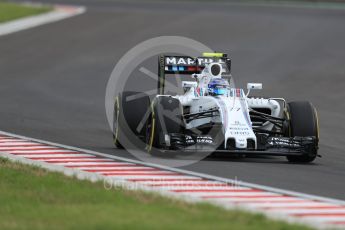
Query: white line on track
{"points": [[60, 12]]}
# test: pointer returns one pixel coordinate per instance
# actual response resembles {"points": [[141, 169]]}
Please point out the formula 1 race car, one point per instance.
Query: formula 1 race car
{"points": [[211, 115]]}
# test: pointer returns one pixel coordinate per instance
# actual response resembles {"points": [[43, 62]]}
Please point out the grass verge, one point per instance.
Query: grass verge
{"points": [[10, 11], [33, 198]]}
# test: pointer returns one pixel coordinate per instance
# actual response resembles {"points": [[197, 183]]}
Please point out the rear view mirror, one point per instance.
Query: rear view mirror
{"points": [[186, 85], [254, 86], [251, 86]]}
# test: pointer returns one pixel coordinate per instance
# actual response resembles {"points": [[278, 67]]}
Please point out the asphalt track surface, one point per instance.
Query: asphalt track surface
{"points": [[53, 77]]}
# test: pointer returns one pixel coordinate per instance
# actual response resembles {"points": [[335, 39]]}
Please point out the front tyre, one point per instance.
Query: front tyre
{"points": [[303, 123], [166, 118], [130, 113]]}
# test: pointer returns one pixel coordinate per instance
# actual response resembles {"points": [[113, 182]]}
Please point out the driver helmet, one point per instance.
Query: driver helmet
{"points": [[218, 86]]}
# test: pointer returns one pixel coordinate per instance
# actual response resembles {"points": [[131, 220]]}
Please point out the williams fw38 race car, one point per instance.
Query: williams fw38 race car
{"points": [[213, 116]]}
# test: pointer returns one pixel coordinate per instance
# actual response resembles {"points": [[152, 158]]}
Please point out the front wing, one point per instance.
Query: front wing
{"points": [[273, 146]]}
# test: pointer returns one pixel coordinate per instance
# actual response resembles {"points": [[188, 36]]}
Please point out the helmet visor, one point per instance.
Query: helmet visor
{"points": [[220, 91]]}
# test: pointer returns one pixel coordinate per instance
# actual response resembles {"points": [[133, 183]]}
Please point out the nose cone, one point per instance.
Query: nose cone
{"points": [[241, 143]]}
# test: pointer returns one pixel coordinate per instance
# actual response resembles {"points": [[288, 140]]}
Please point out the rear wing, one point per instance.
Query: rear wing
{"points": [[185, 65]]}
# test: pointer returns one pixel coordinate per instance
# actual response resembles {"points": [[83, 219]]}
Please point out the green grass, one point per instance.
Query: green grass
{"points": [[11, 11], [32, 198]]}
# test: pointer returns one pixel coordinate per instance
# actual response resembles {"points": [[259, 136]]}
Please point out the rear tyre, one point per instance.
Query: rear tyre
{"points": [[130, 111], [303, 123], [165, 119]]}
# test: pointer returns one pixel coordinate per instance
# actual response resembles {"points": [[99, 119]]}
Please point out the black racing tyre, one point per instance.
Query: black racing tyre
{"points": [[303, 123], [165, 118], [130, 111]]}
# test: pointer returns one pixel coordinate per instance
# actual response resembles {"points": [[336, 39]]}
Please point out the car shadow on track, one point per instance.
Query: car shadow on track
{"points": [[251, 159]]}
